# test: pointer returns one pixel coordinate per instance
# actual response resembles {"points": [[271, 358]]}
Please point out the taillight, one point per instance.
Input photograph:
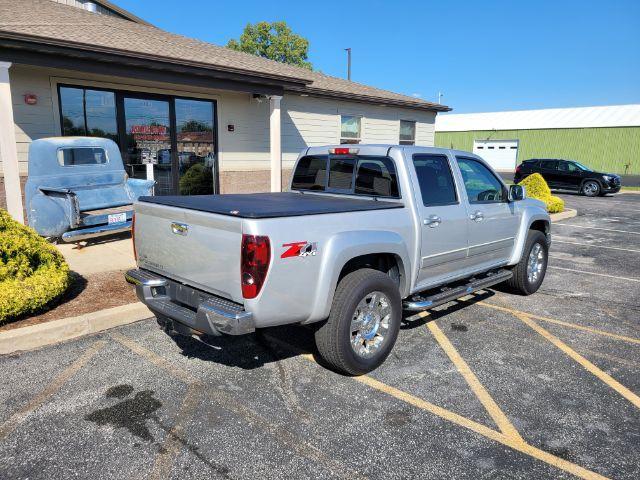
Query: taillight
{"points": [[254, 264], [343, 151], [133, 236], [518, 168]]}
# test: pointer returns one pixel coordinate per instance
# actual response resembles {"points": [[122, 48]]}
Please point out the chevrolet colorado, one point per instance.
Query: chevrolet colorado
{"points": [[363, 232]]}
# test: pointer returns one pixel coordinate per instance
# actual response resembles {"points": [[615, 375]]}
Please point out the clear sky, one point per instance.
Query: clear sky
{"points": [[482, 55]]}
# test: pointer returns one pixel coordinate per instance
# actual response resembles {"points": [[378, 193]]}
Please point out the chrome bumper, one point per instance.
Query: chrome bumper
{"points": [[194, 311], [93, 232]]}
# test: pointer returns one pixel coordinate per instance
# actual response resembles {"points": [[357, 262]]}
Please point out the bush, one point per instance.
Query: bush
{"points": [[32, 271], [537, 188], [198, 180]]}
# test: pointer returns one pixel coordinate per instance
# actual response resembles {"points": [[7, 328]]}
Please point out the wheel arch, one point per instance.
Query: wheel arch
{"points": [[350, 251]]}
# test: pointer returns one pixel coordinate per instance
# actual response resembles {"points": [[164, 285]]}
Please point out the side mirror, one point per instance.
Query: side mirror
{"points": [[516, 193]]}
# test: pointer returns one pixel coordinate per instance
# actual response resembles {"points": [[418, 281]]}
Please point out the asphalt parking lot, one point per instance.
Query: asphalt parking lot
{"points": [[495, 386]]}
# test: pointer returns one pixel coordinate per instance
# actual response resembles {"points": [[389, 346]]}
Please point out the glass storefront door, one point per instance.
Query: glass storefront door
{"points": [[195, 146], [148, 142]]}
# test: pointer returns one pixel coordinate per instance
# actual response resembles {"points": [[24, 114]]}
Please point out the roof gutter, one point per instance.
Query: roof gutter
{"points": [[381, 101]]}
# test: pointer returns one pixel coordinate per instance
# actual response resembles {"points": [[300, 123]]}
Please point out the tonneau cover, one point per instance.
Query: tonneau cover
{"points": [[270, 205]]}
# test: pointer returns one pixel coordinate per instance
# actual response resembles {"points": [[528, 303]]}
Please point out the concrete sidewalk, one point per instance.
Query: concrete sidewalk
{"points": [[105, 255]]}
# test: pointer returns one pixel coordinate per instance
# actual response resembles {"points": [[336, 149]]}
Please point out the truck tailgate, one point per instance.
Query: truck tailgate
{"points": [[197, 248]]}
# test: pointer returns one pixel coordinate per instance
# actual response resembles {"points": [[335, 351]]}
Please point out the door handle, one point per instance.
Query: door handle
{"points": [[433, 221], [477, 216]]}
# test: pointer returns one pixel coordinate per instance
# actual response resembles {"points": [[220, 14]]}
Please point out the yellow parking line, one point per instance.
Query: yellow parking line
{"points": [[560, 322], [17, 418], [518, 445], [506, 427], [590, 367]]}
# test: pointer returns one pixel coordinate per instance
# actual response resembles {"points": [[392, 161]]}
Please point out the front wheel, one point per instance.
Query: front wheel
{"points": [[591, 188], [363, 324], [529, 273]]}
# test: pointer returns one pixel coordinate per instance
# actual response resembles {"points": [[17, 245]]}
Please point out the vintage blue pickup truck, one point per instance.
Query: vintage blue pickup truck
{"points": [[78, 189]]}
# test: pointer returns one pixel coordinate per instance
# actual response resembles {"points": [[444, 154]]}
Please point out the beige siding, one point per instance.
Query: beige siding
{"points": [[306, 121]]}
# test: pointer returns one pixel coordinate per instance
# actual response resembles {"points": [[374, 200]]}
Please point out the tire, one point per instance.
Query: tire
{"points": [[351, 303], [591, 188], [522, 282]]}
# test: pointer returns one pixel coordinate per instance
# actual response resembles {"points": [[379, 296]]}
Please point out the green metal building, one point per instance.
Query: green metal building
{"points": [[603, 138]]}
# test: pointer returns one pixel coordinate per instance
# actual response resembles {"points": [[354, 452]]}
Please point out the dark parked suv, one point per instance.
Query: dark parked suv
{"points": [[569, 175]]}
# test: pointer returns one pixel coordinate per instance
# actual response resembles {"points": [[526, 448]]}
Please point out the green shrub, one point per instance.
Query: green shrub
{"points": [[537, 188], [555, 204], [32, 271]]}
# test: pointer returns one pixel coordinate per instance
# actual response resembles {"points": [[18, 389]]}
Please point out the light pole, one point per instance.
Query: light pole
{"points": [[348, 63]]}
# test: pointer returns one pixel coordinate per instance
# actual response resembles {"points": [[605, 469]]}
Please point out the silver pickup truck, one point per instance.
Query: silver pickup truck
{"points": [[363, 232]]}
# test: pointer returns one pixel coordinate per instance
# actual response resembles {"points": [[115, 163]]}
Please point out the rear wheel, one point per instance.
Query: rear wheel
{"points": [[363, 324], [591, 188], [529, 273]]}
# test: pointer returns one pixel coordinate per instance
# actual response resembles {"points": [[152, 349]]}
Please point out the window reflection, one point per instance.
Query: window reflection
{"points": [[88, 112]]}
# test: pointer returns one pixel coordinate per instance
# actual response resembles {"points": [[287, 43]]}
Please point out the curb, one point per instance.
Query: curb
{"points": [[568, 213], [56, 331]]}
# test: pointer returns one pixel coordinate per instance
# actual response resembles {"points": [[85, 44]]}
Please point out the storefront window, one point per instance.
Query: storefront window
{"points": [[88, 112], [181, 160]]}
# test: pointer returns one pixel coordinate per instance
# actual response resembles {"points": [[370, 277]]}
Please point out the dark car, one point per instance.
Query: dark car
{"points": [[569, 175]]}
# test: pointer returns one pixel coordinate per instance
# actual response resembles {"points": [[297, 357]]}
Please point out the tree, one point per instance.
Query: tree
{"points": [[274, 41]]}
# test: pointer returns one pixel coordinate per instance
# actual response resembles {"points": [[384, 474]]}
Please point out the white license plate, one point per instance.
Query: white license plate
{"points": [[117, 218]]}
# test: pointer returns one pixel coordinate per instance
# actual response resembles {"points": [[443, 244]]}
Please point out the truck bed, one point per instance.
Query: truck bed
{"points": [[270, 205]]}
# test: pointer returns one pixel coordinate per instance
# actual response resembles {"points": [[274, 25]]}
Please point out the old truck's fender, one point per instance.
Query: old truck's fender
{"points": [[137, 187], [532, 211], [51, 212], [345, 246]]}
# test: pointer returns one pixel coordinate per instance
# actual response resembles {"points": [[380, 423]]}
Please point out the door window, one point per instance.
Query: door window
{"points": [[481, 184], [435, 179], [568, 167], [196, 152], [148, 141], [549, 164]]}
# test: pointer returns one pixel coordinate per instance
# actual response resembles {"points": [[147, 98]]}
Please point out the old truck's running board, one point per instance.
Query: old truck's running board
{"points": [[419, 302]]}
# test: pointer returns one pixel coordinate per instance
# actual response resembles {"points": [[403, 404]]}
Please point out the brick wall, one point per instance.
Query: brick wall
{"points": [[3, 196], [250, 182]]}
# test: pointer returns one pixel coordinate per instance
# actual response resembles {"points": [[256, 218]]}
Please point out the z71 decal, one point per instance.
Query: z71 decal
{"points": [[299, 249]]}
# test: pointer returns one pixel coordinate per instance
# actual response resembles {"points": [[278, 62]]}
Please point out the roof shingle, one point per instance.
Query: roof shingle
{"points": [[61, 25]]}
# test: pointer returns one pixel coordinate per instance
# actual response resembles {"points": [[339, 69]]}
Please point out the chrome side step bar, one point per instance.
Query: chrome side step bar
{"points": [[418, 303]]}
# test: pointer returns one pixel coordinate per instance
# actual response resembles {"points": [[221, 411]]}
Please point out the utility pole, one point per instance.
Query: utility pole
{"points": [[440, 95], [348, 63]]}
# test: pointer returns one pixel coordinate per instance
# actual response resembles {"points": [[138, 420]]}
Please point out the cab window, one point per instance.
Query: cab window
{"points": [[481, 184]]}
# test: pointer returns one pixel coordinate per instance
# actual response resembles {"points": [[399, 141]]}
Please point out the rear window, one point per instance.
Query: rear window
{"points": [[69, 157], [361, 175]]}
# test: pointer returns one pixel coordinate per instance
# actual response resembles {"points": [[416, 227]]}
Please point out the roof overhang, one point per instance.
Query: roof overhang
{"points": [[89, 58]]}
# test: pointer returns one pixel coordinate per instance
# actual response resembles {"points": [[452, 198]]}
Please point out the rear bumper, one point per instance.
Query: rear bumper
{"points": [[93, 232], [194, 311]]}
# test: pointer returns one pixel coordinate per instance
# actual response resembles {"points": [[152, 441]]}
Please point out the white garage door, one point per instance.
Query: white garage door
{"points": [[500, 154]]}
